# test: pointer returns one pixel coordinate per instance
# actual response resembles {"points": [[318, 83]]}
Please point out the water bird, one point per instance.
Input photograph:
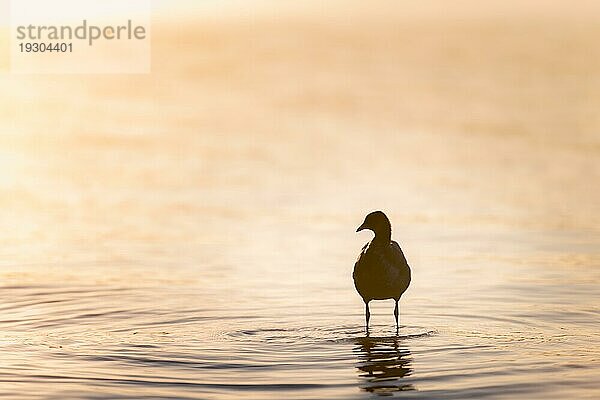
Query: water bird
{"points": [[381, 271]]}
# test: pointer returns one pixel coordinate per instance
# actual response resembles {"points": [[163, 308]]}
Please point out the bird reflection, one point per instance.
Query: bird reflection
{"points": [[383, 365]]}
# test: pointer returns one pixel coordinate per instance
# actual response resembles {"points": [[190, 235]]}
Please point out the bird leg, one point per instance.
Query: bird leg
{"points": [[396, 315], [367, 315]]}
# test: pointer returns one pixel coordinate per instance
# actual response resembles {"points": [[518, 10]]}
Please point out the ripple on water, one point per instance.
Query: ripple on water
{"points": [[312, 335]]}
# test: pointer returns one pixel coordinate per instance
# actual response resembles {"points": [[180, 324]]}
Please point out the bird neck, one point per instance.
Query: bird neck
{"points": [[383, 236]]}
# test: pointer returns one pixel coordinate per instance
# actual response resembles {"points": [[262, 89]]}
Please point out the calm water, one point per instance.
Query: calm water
{"points": [[190, 234]]}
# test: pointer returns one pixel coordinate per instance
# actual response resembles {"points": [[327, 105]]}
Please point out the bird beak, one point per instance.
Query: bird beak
{"points": [[360, 228]]}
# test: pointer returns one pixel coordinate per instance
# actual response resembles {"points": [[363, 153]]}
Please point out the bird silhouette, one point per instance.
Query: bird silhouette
{"points": [[381, 271]]}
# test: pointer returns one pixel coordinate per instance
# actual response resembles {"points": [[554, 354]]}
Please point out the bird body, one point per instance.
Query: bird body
{"points": [[381, 271]]}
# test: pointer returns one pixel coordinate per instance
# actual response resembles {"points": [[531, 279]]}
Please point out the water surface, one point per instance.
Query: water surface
{"points": [[190, 233]]}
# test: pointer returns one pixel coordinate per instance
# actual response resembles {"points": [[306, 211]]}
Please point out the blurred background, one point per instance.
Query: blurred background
{"points": [[458, 114]]}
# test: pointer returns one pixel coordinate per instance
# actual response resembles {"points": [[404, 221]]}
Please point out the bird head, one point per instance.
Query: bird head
{"points": [[377, 222]]}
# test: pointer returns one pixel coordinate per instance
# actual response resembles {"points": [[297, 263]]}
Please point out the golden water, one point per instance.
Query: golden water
{"points": [[190, 233]]}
